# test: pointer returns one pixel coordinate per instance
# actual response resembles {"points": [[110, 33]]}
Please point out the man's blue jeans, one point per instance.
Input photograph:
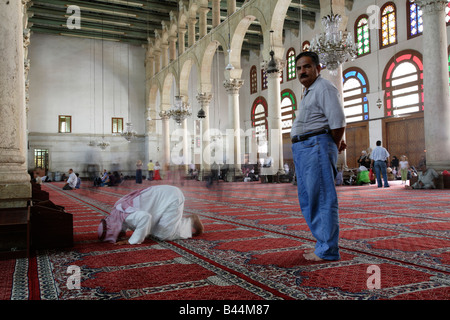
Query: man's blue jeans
{"points": [[380, 170], [315, 166]]}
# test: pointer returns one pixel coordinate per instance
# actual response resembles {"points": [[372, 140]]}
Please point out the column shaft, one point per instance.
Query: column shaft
{"points": [[233, 86], [435, 79], [15, 188], [275, 125]]}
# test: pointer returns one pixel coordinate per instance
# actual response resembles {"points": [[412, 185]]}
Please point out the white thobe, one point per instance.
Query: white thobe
{"points": [[157, 211], [427, 178], [72, 181]]}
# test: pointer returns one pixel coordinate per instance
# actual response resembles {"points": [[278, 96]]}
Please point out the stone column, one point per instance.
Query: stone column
{"points": [[172, 48], [165, 54], [232, 87], [166, 140], [231, 6], [204, 100], [191, 31], [157, 60], [181, 40], [215, 13], [275, 147], [337, 81], [15, 187], [150, 66], [435, 85], [203, 11]]}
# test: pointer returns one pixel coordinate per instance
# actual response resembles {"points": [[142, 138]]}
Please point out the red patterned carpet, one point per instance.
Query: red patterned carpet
{"points": [[251, 250]]}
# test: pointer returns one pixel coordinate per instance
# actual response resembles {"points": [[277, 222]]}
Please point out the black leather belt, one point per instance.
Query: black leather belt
{"points": [[304, 137]]}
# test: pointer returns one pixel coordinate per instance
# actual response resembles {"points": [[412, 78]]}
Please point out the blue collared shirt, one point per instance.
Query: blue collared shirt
{"points": [[379, 154], [320, 108]]}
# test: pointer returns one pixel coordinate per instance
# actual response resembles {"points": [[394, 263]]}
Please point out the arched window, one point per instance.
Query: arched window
{"points": [[414, 18], [388, 31], [355, 90], [306, 45], [259, 122], [290, 66], [362, 35], [259, 117], [288, 108], [448, 53], [264, 83], [253, 80], [447, 14], [403, 83]]}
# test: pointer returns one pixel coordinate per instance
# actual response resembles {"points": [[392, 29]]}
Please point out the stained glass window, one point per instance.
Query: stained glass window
{"points": [[288, 108], [415, 19], [355, 90], [253, 80], [263, 79], [259, 122], [291, 70], [362, 35], [448, 50], [388, 25], [306, 46], [403, 84], [447, 14]]}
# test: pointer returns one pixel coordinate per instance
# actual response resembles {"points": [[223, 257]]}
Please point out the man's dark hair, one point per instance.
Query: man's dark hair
{"points": [[314, 57], [378, 143]]}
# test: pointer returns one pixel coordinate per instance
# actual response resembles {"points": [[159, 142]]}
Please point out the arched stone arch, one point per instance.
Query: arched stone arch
{"points": [[166, 90], [274, 40], [186, 68], [152, 107], [205, 84], [192, 9], [237, 39]]}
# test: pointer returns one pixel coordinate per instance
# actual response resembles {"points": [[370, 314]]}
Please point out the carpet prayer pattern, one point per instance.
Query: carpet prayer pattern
{"points": [[251, 249]]}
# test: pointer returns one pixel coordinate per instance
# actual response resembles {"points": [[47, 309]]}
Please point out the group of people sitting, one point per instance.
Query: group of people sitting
{"points": [[422, 176], [108, 179], [38, 175]]}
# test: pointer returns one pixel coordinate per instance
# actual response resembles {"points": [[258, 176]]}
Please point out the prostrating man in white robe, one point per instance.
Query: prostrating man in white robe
{"points": [[157, 211]]}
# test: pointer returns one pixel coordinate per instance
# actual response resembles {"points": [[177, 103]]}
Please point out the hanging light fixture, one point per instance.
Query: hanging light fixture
{"points": [[129, 134], [272, 65], [334, 46], [229, 65], [180, 110], [201, 113], [379, 103], [103, 144]]}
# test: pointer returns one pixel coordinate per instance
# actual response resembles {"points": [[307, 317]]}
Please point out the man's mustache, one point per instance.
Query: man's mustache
{"points": [[303, 75]]}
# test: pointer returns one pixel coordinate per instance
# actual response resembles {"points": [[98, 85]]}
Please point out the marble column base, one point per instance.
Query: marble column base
{"points": [[15, 195]]}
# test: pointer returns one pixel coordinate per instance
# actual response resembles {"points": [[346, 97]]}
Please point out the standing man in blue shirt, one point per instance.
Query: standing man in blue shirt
{"points": [[317, 138], [379, 156]]}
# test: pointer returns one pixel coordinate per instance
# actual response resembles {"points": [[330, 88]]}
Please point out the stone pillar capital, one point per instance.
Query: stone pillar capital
{"points": [[430, 6], [233, 85], [164, 115], [192, 21], [281, 64], [204, 98]]}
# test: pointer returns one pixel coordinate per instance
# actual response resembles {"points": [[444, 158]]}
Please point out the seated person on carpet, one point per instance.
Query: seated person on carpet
{"points": [[157, 211], [363, 176], [71, 182], [426, 178], [77, 186]]}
